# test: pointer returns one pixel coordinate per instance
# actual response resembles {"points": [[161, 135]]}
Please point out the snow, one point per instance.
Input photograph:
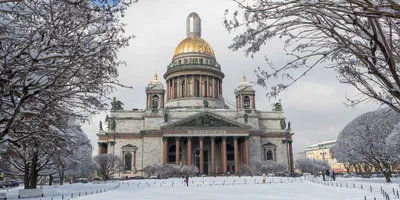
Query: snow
{"points": [[221, 188], [56, 191]]}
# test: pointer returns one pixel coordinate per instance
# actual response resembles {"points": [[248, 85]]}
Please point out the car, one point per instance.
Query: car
{"points": [[138, 177], [81, 180], [3, 184], [153, 177]]}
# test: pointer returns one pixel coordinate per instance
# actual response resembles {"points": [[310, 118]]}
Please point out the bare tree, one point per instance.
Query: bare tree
{"points": [[49, 60], [358, 39], [109, 164], [364, 142]]}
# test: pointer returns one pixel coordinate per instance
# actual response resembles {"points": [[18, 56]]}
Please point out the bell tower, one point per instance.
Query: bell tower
{"points": [[155, 94], [245, 96]]}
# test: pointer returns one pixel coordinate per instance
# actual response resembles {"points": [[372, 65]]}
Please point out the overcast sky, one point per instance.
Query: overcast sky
{"points": [[314, 105]]}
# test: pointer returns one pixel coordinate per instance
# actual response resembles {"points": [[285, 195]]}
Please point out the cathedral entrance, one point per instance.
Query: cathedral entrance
{"points": [[205, 163]]}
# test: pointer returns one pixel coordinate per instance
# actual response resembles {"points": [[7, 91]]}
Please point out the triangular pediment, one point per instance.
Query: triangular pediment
{"points": [[206, 119]]}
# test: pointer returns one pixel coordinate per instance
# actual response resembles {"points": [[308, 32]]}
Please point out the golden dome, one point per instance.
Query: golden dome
{"points": [[155, 80], [194, 45]]}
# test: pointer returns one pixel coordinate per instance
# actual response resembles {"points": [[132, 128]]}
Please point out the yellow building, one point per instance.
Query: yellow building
{"points": [[321, 151]]}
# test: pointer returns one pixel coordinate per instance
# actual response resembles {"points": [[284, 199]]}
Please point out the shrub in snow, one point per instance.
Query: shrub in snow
{"points": [[311, 166], [365, 141], [109, 164], [268, 167]]}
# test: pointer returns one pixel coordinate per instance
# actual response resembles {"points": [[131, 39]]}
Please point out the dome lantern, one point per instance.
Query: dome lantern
{"points": [[193, 25]]}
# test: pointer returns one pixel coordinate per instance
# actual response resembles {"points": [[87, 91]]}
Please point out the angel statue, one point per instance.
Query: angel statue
{"points": [[116, 104], [283, 124], [246, 117], [277, 106]]}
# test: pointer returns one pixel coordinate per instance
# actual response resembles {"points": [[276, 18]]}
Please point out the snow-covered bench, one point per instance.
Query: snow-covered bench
{"points": [[27, 193]]}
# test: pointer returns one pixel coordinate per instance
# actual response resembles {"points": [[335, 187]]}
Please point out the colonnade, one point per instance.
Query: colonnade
{"points": [[240, 152], [193, 86]]}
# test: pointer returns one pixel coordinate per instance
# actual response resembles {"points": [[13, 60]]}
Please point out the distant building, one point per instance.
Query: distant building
{"points": [[321, 151]]}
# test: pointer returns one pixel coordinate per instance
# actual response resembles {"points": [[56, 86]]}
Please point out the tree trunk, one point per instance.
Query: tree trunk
{"points": [[387, 176], [34, 173], [61, 174], [26, 177], [51, 180]]}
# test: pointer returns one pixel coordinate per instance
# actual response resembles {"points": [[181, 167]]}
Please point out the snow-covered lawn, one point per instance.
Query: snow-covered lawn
{"points": [[234, 188], [57, 191], [229, 188]]}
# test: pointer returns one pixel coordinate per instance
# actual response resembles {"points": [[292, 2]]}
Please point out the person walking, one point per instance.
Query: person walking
{"points": [[327, 174], [264, 176], [187, 180], [323, 175], [333, 175]]}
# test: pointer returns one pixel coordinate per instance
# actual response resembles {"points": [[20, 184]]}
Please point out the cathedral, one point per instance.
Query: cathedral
{"points": [[187, 120]]}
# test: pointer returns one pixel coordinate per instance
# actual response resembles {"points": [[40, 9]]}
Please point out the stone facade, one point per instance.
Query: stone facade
{"points": [[191, 113]]}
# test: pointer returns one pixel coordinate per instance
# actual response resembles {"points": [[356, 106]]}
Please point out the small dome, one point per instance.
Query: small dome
{"points": [[155, 80], [194, 45]]}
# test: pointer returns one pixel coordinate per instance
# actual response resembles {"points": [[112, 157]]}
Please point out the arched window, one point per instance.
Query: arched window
{"points": [[195, 60], [179, 61], [175, 90], [246, 102], [154, 102], [128, 161], [183, 89], [185, 61], [196, 88], [270, 155]]}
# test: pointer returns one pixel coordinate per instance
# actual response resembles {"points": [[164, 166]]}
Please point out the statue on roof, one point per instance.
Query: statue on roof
{"points": [[165, 116], [108, 122], [116, 104], [101, 126], [283, 124], [289, 128], [113, 124], [277, 106], [205, 103], [246, 117]]}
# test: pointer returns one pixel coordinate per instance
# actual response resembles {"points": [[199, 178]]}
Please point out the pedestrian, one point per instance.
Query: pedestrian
{"points": [[187, 180], [126, 177], [327, 174], [264, 176], [323, 175], [333, 175]]}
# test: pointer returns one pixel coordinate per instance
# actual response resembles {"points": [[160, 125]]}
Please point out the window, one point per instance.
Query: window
{"points": [[246, 102], [186, 61], [196, 88], [183, 89], [154, 102], [191, 60], [179, 61], [128, 161], [195, 60], [270, 155], [201, 60]]}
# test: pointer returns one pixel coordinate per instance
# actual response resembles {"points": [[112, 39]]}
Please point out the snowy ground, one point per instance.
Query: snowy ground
{"points": [[58, 191], [232, 188]]}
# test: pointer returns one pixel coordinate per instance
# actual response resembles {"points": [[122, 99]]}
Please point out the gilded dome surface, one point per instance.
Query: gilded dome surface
{"points": [[194, 45]]}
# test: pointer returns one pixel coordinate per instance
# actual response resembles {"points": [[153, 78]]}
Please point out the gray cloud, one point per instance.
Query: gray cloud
{"points": [[313, 105]]}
